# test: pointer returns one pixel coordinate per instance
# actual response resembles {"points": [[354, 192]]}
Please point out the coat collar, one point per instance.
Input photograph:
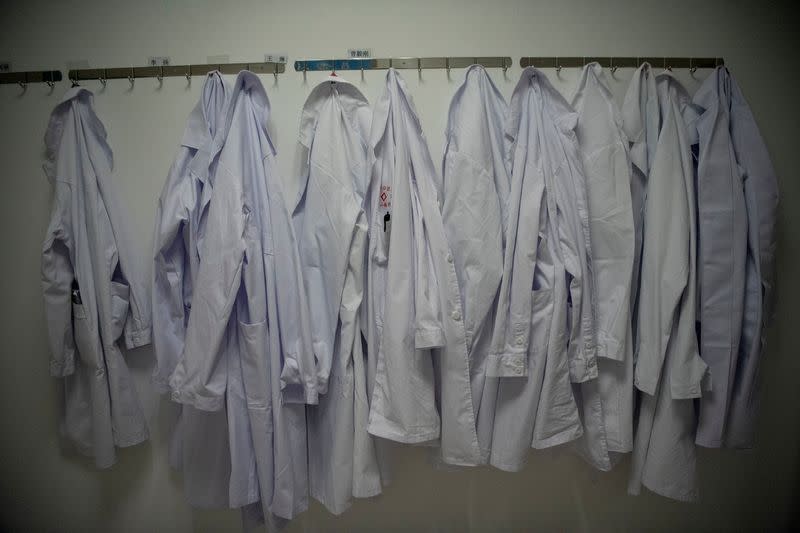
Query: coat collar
{"points": [[395, 97], [349, 98], [207, 117], [87, 123], [641, 117], [553, 102]]}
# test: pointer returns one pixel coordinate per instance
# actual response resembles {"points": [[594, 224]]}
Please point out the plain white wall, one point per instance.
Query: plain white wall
{"points": [[42, 487]]}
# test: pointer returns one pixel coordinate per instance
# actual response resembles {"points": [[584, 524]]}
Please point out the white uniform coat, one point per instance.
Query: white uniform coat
{"points": [[607, 403], [249, 290], [539, 342], [737, 199], [199, 446], [476, 186], [416, 323], [93, 292], [331, 228], [668, 369]]}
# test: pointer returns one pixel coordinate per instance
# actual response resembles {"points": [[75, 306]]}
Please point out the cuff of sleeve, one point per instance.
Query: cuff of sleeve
{"points": [[648, 386], [138, 337], [610, 348], [507, 365], [203, 403], [699, 381], [161, 385], [294, 393], [428, 338], [63, 368], [582, 368]]}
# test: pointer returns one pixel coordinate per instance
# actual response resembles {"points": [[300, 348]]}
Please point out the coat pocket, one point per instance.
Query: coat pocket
{"points": [[541, 315], [255, 357], [120, 302], [86, 341]]}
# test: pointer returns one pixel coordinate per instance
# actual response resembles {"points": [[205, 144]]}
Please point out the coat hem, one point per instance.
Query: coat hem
{"points": [[204, 403], [383, 430], [563, 437]]}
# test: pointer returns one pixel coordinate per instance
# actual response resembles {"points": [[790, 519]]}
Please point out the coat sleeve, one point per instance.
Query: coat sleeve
{"points": [[511, 338], [137, 328], [753, 156], [57, 277], [578, 262], [428, 331], [302, 376], [200, 378], [170, 277], [665, 260]]}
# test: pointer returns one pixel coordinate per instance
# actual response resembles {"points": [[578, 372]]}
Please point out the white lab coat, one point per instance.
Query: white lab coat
{"points": [[607, 403], [536, 354], [668, 369], [250, 292], [737, 199], [641, 122], [475, 192], [87, 243], [415, 308], [199, 445], [331, 228]]}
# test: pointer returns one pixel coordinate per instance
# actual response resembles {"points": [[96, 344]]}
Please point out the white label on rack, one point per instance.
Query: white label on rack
{"points": [[276, 57], [158, 61], [359, 53]]}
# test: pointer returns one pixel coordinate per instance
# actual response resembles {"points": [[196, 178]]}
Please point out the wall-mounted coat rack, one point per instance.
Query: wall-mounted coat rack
{"points": [[692, 63], [418, 63], [24, 78], [172, 71]]}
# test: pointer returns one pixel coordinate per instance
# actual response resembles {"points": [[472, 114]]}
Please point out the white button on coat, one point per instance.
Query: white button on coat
{"points": [[412, 288], [331, 228], [87, 243]]}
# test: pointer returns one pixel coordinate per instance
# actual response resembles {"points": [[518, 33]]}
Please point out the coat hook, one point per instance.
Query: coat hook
{"points": [[132, 77], [505, 67], [419, 67], [189, 75], [447, 65], [305, 69], [103, 79], [160, 76]]}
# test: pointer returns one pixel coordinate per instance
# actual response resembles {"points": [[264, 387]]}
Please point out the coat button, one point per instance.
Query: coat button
{"points": [[456, 315], [518, 371], [449, 258], [520, 341]]}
